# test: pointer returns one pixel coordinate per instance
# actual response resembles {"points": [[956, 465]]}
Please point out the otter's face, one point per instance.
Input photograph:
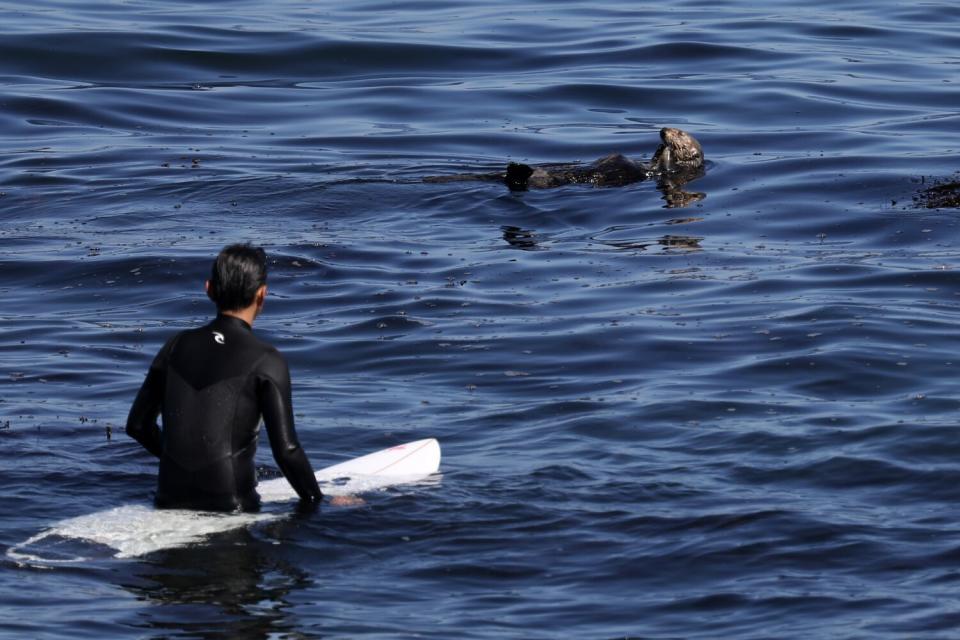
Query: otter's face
{"points": [[684, 150]]}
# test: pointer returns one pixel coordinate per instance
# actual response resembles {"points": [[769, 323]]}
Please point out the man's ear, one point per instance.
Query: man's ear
{"points": [[261, 295], [206, 287]]}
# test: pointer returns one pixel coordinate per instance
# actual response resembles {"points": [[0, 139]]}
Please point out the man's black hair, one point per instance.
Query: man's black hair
{"points": [[238, 271]]}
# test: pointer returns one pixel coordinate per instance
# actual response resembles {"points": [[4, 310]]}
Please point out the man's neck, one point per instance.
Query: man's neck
{"points": [[248, 315]]}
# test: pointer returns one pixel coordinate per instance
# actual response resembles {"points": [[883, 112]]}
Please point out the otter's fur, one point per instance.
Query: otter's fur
{"points": [[679, 152]]}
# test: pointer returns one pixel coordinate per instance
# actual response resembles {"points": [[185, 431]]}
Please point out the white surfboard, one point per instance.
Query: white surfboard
{"points": [[137, 529]]}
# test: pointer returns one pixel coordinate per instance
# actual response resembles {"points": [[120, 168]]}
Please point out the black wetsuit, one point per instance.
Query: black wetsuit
{"points": [[212, 384]]}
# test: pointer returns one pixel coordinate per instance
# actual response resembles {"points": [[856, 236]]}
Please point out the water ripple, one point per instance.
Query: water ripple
{"points": [[734, 417]]}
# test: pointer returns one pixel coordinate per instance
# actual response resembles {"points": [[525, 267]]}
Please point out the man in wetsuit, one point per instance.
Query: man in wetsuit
{"points": [[211, 386]]}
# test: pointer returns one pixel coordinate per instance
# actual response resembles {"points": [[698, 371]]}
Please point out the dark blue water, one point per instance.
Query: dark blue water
{"points": [[732, 419]]}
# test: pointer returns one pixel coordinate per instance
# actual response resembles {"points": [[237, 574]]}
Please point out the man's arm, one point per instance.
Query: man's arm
{"points": [[142, 421], [276, 405]]}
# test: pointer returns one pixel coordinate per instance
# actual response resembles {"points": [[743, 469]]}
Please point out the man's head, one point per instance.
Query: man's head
{"points": [[239, 278]]}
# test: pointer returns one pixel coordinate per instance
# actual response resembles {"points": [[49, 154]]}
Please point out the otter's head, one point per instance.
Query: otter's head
{"points": [[680, 151]]}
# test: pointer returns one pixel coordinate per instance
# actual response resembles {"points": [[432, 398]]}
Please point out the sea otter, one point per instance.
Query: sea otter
{"points": [[677, 160], [678, 153]]}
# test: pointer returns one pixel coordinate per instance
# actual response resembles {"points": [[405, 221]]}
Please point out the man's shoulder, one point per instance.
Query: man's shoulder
{"points": [[267, 354], [266, 348], [271, 354], [163, 355], [273, 365]]}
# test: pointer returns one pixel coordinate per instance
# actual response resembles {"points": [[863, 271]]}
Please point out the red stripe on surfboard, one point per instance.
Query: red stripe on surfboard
{"points": [[399, 460]]}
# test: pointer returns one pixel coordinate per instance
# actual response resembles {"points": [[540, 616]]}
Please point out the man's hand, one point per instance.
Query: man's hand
{"points": [[347, 501]]}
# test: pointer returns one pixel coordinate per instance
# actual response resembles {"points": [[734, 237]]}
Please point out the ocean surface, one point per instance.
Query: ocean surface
{"points": [[728, 415]]}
